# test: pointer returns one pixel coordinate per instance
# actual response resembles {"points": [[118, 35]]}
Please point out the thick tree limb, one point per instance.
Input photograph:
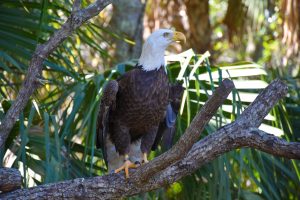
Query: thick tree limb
{"points": [[222, 141], [115, 186], [232, 136], [77, 18], [268, 143], [10, 179]]}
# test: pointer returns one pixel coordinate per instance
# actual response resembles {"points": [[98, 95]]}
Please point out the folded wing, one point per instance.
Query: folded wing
{"points": [[107, 104], [167, 127]]}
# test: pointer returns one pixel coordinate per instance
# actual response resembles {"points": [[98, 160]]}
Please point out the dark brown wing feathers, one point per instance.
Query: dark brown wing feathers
{"points": [[107, 104], [167, 127]]}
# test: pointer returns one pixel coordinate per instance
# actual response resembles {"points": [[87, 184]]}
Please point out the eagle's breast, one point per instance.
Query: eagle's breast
{"points": [[142, 99]]}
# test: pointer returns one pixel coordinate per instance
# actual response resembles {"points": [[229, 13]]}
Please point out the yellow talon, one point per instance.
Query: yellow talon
{"points": [[127, 164], [145, 159]]}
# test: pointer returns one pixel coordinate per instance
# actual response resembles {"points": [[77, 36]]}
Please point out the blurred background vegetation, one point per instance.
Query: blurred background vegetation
{"points": [[250, 41]]}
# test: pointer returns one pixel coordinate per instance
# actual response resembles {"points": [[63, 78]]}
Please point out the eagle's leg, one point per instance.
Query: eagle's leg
{"points": [[121, 139], [147, 142], [145, 159], [126, 166]]}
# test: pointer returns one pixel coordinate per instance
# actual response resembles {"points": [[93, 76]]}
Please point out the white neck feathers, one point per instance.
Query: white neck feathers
{"points": [[152, 58]]}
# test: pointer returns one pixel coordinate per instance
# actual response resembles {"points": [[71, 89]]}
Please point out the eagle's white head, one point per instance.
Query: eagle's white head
{"points": [[153, 56]]}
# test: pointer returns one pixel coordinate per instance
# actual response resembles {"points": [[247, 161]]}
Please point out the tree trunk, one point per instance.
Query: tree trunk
{"points": [[199, 25], [128, 18]]}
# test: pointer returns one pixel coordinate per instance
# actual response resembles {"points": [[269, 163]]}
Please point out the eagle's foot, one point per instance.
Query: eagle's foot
{"points": [[127, 164], [145, 159]]}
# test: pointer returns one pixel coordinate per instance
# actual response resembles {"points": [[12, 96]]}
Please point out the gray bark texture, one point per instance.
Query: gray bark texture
{"points": [[128, 18], [31, 82], [243, 132], [10, 179]]}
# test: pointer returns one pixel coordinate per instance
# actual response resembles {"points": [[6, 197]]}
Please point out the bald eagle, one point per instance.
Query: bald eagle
{"points": [[139, 108]]}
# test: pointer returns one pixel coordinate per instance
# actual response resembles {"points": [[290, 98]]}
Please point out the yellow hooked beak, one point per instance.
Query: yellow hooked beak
{"points": [[178, 37]]}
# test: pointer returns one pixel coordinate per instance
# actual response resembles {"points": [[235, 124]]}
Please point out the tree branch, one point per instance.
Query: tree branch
{"points": [[220, 142], [10, 179], [232, 136], [31, 82], [115, 186], [255, 113]]}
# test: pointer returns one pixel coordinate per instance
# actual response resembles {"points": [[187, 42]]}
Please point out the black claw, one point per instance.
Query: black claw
{"points": [[137, 163]]}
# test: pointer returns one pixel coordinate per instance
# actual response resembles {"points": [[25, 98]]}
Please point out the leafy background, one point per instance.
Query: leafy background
{"points": [[54, 138]]}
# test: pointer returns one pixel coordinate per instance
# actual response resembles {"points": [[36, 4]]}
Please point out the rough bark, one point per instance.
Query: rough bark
{"points": [[10, 179], [31, 82], [222, 141], [241, 133], [128, 18], [115, 186]]}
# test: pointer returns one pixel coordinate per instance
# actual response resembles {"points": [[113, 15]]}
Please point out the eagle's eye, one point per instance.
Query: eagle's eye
{"points": [[166, 34]]}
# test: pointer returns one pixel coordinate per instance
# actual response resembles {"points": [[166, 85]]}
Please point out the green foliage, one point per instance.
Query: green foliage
{"points": [[54, 138], [236, 173], [41, 143]]}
